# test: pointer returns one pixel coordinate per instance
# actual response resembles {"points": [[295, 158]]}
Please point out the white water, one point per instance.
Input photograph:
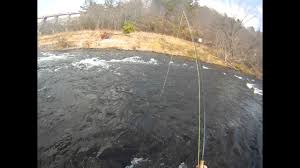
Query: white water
{"points": [[52, 57], [117, 73], [136, 59], [204, 67], [182, 165], [238, 77], [91, 62], [255, 90], [249, 85], [136, 161], [57, 69]]}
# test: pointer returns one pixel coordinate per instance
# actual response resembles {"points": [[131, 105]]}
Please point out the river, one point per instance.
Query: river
{"points": [[102, 108]]}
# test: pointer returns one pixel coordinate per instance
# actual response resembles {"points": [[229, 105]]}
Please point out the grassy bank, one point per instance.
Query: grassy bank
{"points": [[140, 41]]}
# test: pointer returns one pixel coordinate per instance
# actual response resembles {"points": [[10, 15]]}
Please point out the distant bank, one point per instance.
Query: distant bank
{"points": [[140, 41]]}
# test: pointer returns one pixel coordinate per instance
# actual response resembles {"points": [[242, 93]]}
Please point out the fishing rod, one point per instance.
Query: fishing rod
{"points": [[200, 163]]}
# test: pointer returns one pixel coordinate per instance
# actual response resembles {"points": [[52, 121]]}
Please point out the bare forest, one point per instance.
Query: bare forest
{"points": [[228, 37]]}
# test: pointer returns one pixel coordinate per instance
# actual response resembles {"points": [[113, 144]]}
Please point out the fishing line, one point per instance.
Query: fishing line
{"points": [[200, 82], [166, 77]]}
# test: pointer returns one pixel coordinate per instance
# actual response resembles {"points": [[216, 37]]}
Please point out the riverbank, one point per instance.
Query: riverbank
{"points": [[140, 41]]}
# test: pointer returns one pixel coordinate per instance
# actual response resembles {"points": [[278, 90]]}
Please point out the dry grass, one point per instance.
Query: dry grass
{"points": [[142, 41]]}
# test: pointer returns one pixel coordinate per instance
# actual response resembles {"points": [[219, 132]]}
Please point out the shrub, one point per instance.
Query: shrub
{"points": [[128, 27], [104, 35]]}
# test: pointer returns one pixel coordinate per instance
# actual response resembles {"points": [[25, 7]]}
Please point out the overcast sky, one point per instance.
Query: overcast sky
{"points": [[251, 10]]}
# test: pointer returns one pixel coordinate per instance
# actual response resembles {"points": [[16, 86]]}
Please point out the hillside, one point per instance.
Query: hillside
{"points": [[141, 41]]}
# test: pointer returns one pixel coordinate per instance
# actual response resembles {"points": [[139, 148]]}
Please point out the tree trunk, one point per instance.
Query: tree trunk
{"points": [[98, 22]]}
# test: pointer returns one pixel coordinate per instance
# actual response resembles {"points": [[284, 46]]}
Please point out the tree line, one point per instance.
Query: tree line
{"points": [[231, 40]]}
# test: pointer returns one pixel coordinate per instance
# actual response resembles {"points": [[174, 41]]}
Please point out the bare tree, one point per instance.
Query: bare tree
{"points": [[232, 41]]}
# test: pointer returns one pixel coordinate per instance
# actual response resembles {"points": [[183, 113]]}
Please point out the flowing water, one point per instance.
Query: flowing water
{"points": [[101, 108]]}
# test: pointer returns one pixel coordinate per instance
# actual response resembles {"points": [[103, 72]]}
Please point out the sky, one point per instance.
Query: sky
{"points": [[251, 10], [248, 10]]}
